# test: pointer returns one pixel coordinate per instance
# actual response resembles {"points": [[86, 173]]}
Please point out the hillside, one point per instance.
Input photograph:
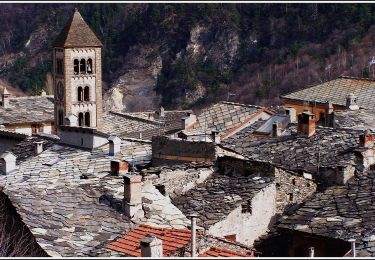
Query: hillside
{"points": [[190, 55]]}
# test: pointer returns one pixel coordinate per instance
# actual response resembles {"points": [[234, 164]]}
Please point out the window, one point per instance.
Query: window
{"points": [[82, 66], [76, 66], [246, 207], [61, 117], [89, 66], [80, 119], [87, 119], [290, 197], [59, 66], [294, 181], [80, 94], [86, 94]]}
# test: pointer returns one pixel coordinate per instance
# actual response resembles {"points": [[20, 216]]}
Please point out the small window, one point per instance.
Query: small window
{"points": [[89, 66], [277, 185], [294, 181], [76, 66], [87, 119], [82, 66], [290, 197], [246, 207], [80, 119], [86, 94], [161, 189], [80, 94]]}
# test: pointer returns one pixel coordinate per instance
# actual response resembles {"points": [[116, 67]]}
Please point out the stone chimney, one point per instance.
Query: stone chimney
{"points": [[8, 162], [329, 115], [5, 98], [119, 167], [132, 195], [292, 114], [151, 246], [351, 102], [366, 139], [160, 113], [114, 145], [276, 129], [215, 137], [188, 121], [306, 124], [43, 93], [38, 147], [71, 120]]}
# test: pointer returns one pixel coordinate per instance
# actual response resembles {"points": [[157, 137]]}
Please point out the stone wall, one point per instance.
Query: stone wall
{"points": [[249, 226], [173, 151]]}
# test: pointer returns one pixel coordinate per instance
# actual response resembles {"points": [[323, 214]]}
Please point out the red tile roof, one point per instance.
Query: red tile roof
{"points": [[173, 239], [221, 252]]}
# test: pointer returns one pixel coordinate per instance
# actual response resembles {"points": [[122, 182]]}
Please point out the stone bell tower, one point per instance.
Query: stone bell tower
{"points": [[77, 74]]}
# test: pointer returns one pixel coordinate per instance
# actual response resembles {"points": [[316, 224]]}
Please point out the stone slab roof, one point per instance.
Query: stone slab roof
{"points": [[340, 212], [337, 90], [77, 34], [225, 115], [328, 146], [219, 195], [362, 119], [32, 109]]}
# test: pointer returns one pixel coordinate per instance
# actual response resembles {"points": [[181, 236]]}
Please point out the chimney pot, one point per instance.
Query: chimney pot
{"points": [[114, 145], [132, 194], [292, 114], [151, 246], [43, 93], [353, 250], [38, 147], [8, 160], [306, 124], [276, 129], [118, 167], [366, 139], [351, 102], [215, 137], [5, 98], [193, 218]]}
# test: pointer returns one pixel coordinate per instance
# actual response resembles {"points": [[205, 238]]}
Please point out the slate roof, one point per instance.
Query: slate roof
{"points": [[362, 119], [223, 116], [337, 90], [77, 34], [30, 109], [219, 195], [331, 147], [340, 212]]}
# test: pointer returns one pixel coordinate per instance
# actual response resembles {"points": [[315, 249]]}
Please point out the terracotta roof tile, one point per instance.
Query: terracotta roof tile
{"points": [[221, 252], [173, 239]]}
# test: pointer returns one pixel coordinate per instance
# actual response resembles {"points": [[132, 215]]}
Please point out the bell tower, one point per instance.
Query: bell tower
{"points": [[77, 74]]}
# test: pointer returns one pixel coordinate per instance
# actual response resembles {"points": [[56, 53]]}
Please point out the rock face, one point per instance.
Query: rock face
{"points": [[134, 89]]}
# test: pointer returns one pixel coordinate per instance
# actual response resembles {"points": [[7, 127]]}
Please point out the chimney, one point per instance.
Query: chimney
{"points": [[71, 120], [292, 114], [5, 98], [311, 251], [193, 218], [351, 102], [215, 137], [352, 243], [160, 113], [114, 145], [119, 167], [132, 194], [8, 161], [188, 121], [151, 246], [329, 116], [276, 129], [366, 139], [43, 93], [306, 124], [38, 147]]}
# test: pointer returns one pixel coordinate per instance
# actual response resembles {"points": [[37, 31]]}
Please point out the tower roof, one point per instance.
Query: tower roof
{"points": [[77, 34]]}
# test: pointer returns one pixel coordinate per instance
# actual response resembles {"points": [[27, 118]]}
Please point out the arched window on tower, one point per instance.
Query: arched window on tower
{"points": [[80, 119], [80, 94], [82, 66], [76, 66], [89, 66], [86, 94], [61, 117], [87, 119]]}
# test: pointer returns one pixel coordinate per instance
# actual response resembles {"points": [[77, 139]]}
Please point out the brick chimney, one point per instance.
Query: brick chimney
{"points": [[5, 98], [292, 114], [38, 147], [114, 145], [132, 195], [8, 162], [151, 246], [276, 129], [366, 139], [119, 167], [306, 124], [351, 102], [188, 121]]}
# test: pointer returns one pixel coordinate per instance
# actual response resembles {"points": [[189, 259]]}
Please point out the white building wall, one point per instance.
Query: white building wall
{"points": [[248, 227]]}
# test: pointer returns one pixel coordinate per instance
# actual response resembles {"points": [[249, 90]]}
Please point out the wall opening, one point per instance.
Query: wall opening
{"points": [[161, 189], [80, 94], [76, 66], [89, 66], [61, 117], [80, 119], [87, 119], [82, 66], [231, 237], [86, 94]]}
